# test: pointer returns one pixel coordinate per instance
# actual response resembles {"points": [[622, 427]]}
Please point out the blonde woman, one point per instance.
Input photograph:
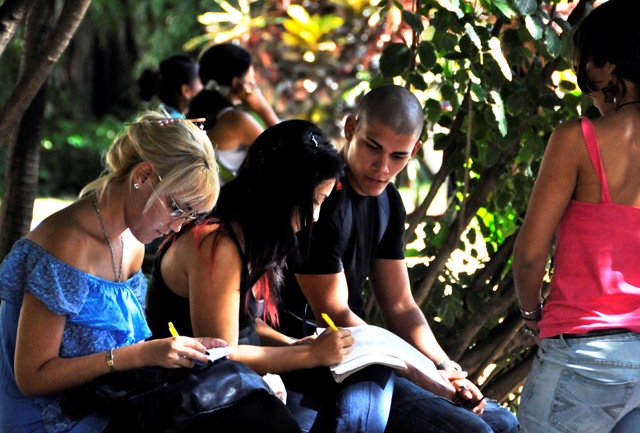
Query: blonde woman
{"points": [[72, 289]]}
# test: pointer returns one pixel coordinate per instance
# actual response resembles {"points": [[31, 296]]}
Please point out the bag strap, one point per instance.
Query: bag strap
{"points": [[384, 213]]}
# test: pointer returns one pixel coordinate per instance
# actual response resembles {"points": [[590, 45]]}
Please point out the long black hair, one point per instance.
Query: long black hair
{"points": [[275, 184]]}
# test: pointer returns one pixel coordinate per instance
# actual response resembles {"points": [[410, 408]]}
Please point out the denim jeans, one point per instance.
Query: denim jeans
{"points": [[583, 385], [413, 409], [359, 404]]}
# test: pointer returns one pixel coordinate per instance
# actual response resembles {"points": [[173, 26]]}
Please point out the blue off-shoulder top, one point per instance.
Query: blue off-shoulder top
{"points": [[101, 315]]}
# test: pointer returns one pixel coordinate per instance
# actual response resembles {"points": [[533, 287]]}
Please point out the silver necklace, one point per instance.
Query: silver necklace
{"points": [[117, 272]]}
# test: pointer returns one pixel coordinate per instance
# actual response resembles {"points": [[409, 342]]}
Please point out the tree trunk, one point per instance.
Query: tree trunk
{"points": [[21, 176], [29, 84]]}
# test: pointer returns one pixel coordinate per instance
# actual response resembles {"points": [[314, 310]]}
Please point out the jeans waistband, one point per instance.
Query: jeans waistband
{"points": [[596, 333]]}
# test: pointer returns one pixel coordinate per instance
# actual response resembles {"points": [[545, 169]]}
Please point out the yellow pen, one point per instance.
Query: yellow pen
{"points": [[327, 319], [172, 330]]}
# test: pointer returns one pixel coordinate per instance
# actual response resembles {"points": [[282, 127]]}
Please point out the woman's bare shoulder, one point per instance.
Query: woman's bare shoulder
{"points": [[66, 234]]}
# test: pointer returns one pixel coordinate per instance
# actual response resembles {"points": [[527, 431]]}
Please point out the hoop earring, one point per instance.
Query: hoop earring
{"points": [[136, 185], [610, 92]]}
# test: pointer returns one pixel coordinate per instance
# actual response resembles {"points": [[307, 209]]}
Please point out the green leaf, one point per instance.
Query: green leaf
{"points": [[498, 111], [479, 91], [473, 301], [433, 110], [471, 31], [452, 6], [496, 52], [411, 252], [535, 26], [414, 21], [427, 53], [504, 7], [448, 92], [526, 7], [395, 59], [417, 80], [553, 42]]}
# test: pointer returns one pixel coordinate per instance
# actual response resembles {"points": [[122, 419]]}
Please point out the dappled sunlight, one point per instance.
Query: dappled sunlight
{"points": [[45, 206]]}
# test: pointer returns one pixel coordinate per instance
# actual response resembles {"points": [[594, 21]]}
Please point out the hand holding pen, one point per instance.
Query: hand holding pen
{"points": [[214, 348], [332, 346]]}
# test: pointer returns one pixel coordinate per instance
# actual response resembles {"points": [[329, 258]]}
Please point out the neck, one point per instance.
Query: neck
{"points": [[619, 106]]}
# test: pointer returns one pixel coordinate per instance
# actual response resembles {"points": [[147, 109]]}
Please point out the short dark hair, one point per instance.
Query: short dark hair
{"points": [[393, 106], [609, 34]]}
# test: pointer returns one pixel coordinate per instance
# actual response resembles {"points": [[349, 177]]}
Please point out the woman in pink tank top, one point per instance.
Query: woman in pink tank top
{"points": [[586, 202]]}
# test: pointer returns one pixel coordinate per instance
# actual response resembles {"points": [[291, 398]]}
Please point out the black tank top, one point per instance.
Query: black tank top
{"points": [[164, 306]]}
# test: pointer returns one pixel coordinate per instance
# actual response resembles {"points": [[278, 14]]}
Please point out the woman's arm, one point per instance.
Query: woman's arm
{"points": [[552, 192], [40, 370], [215, 301]]}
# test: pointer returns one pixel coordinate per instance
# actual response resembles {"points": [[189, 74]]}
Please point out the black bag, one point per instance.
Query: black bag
{"points": [[157, 399]]}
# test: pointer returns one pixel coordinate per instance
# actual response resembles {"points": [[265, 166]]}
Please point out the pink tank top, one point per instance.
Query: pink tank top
{"points": [[596, 278]]}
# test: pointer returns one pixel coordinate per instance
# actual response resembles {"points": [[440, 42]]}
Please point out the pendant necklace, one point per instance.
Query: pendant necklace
{"points": [[117, 272]]}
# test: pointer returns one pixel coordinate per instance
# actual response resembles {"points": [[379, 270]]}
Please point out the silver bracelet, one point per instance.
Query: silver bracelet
{"points": [[530, 332], [532, 315]]}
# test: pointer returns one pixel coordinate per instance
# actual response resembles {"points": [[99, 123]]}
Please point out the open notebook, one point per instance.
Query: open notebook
{"points": [[375, 345]]}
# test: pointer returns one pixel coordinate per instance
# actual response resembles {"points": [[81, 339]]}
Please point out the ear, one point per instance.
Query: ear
{"points": [[143, 172], [350, 125], [237, 84], [416, 148], [610, 67], [185, 91]]}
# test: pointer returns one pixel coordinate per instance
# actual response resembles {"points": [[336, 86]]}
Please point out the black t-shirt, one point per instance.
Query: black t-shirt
{"points": [[346, 243]]}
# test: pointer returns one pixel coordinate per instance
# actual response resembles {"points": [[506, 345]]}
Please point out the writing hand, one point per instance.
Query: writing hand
{"points": [[332, 347]]}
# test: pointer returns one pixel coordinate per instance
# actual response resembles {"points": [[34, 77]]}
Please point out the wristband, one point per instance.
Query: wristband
{"points": [[449, 364]]}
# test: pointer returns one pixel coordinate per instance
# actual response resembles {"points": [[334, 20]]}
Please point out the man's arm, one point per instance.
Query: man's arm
{"points": [[329, 293], [391, 287]]}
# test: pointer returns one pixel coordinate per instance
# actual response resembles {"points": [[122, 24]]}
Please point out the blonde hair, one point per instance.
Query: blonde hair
{"points": [[180, 152]]}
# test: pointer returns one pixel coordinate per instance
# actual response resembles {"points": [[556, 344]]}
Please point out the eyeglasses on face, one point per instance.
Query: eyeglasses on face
{"points": [[176, 212]]}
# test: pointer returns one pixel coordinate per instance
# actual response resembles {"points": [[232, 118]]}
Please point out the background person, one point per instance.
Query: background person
{"points": [[587, 195], [71, 290], [230, 101], [346, 250], [176, 82]]}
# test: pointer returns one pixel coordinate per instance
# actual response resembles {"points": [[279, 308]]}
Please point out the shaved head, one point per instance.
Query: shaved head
{"points": [[393, 106]]}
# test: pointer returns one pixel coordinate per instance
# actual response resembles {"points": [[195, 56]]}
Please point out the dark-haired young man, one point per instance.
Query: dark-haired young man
{"points": [[359, 236]]}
